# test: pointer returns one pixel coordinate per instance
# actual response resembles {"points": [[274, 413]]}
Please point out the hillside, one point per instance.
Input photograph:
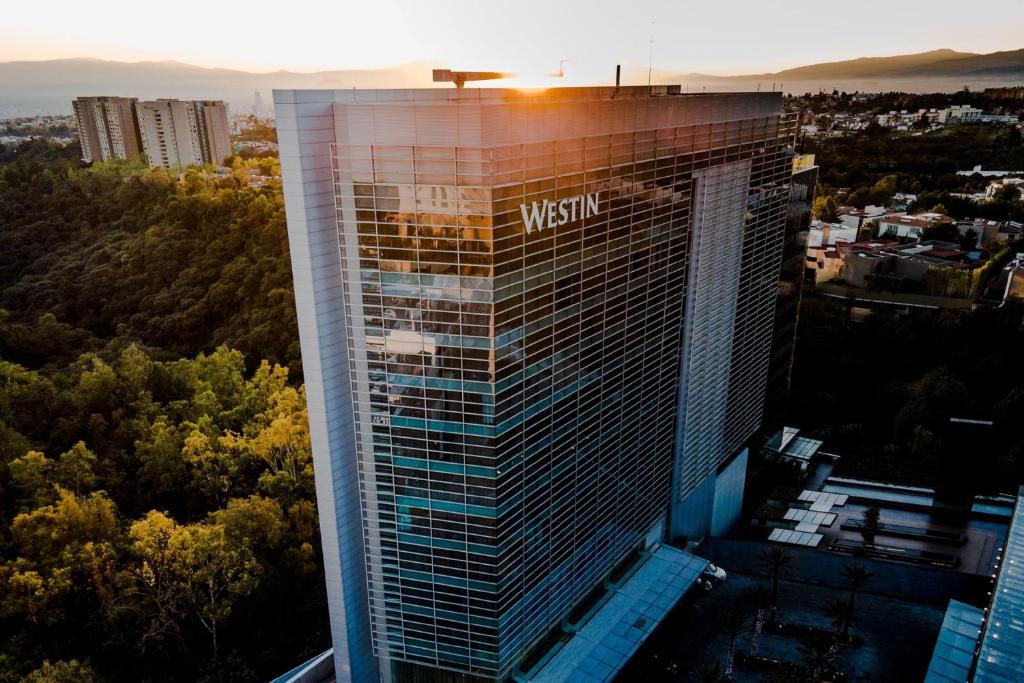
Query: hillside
{"points": [[871, 67]]}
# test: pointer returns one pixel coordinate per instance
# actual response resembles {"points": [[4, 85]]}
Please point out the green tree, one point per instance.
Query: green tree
{"points": [[62, 549], [841, 612], [825, 209], [152, 588], [709, 673], [76, 469], [734, 623], [776, 561], [71, 671], [870, 524], [32, 476], [818, 656], [856, 576], [759, 600], [215, 572]]}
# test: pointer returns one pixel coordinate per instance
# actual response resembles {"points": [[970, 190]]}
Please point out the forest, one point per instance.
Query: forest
{"points": [[881, 391], [869, 166], [156, 489]]}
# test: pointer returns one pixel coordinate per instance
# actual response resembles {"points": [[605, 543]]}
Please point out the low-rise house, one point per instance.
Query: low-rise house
{"points": [[861, 264], [853, 217], [912, 227], [996, 185], [1010, 231], [822, 233]]}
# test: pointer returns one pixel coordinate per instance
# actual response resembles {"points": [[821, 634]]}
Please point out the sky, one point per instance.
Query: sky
{"points": [[527, 37]]}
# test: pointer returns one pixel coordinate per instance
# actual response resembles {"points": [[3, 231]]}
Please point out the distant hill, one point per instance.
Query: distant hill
{"points": [[870, 67], [49, 86], [934, 71], [993, 64]]}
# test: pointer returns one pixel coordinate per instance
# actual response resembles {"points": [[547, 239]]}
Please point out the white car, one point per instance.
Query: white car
{"points": [[714, 573]]}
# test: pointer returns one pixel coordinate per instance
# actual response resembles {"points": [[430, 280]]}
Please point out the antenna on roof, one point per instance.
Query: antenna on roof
{"points": [[459, 78], [561, 69], [650, 62]]}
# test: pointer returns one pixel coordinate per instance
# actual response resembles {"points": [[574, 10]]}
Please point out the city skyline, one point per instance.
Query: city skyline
{"points": [[670, 37]]}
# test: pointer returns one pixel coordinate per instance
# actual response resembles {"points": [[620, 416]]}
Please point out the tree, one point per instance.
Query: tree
{"points": [[71, 671], [63, 549], [759, 599], [841, 613], [76, 469], [943, 230], [856, 576], [775, 560], [734, 623], [1007, 194], [214, 571], [152, 589], [868, 231], [969, 240], [870, 524], [818, 655], [709, 673], [825, 209], [32, 477]]}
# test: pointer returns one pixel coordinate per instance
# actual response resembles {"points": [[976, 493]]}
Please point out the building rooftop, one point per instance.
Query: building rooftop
{"points": [[508, 94]]}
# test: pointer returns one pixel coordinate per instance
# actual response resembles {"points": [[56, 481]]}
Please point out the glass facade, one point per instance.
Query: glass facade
{"points": [[515, 392], [787, 306]]}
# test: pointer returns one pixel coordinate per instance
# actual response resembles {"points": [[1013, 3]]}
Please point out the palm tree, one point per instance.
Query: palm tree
{"points": [[841, 613], [775, 559], [709, 673], [734, 622], [870, 526], [759, 600], [818, 654], [857, 576]]}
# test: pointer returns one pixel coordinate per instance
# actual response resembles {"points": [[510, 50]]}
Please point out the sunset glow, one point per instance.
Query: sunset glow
{"points": [[530, 38]]}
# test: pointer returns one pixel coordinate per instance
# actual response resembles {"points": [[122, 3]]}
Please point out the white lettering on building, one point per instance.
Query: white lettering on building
{"points": [[549, 214]]}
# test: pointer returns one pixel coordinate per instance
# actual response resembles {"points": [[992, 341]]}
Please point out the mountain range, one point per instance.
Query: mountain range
{"points": [[32, 87]]}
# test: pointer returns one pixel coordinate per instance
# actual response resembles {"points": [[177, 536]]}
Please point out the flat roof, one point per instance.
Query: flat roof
{"points": [[603, 645], [603, 92]]}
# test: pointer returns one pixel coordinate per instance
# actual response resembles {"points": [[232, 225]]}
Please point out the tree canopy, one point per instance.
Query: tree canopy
{"points": [[156, 482]]}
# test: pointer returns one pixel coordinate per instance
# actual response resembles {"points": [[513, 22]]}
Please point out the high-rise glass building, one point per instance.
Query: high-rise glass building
{"points": [[535, 331]]}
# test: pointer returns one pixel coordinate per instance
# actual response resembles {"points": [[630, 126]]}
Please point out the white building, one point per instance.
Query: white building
{"points": [[891, 227], [997, 185], [179, 134], [959, 113], [827, 234], [856, 218]]}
